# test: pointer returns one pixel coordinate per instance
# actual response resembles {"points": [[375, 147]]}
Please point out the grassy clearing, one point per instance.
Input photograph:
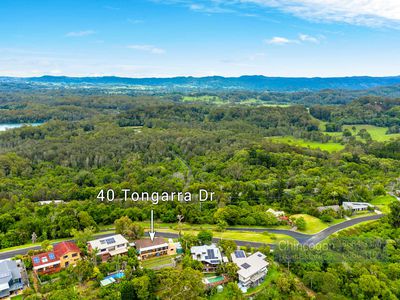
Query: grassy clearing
{"points": [[330, 147], [246, 236], [383, 202], [313, 224], [377, 133]]}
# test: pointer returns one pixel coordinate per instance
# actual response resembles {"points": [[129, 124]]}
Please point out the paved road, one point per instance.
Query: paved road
{"points": [[312, 239], [320, 236], [304, 239]]}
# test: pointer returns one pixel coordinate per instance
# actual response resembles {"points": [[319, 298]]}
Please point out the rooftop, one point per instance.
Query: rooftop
{"points": [[146, 243], [206, 253], [110, 241], [44, 258], [62, 248], [250, 265], [8, 270]]}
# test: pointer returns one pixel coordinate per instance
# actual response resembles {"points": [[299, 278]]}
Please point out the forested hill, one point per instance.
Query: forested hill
{"points": [[251, 83]]}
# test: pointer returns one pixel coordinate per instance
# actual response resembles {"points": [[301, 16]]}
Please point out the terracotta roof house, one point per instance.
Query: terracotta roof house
{"points": [[63, 255], [68, 253], [46, 263], [10, 278], [147, 248]]}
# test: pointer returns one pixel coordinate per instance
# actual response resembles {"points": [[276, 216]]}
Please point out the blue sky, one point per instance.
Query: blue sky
{"points": [[162, 38]]}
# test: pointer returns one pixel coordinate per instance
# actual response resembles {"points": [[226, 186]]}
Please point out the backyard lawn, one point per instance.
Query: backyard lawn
{"points": [[157, 261]]}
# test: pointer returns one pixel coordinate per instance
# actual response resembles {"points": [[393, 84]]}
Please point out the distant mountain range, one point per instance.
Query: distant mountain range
{"points": [[251, 83]]}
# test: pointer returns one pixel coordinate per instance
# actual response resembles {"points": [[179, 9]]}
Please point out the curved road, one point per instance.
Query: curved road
{"points": [[304, 239], [313, 239]]}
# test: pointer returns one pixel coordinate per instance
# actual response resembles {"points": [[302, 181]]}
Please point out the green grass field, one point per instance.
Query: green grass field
{"points": [[377, 133], [245, 236], [330, 147], [313, 224], [382, 202]]}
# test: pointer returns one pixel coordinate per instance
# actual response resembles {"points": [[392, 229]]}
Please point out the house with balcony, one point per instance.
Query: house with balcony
{"points": [[252, 269], [64, 254], [147, 248], [109, 246], [209, 255], [10, 278], [46, 263], [68, 253]]}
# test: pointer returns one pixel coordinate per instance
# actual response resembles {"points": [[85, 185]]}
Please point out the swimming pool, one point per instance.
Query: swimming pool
{"points": [[215, 279], [118, 275]]}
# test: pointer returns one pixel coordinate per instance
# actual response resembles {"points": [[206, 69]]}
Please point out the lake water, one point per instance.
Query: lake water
{"points": [[4, 127]]}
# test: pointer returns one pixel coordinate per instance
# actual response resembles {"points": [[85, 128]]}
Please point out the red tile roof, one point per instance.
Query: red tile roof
{"points": [[59, 250], [37, 260], [63, 248]]}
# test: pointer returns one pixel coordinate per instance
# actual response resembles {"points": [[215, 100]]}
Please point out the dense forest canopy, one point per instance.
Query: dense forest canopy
{"points": [[158, 143]]}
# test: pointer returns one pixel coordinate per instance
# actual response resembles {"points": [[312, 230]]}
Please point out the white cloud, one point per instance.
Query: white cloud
{"points": [[277, 40], [80, 33], [147, 48], [360, 12], [134, 21], [308, 38]]}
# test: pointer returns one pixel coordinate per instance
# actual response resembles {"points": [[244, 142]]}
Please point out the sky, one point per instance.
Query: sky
{"points": [[166, 38]]}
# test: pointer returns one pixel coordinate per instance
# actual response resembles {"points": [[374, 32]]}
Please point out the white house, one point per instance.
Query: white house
{"points": [[109, 246], [10, 278], [356, 206], [276, 213], [209, 255], [46, 202], [252, 269]]}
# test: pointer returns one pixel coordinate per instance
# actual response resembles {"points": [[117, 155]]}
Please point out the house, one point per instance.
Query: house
{"points": [[252, 269], [209, 255], [109, 246], [335, 208], [10, 278], [47, 202], [64, 254], [68, 253], [177, 245], [147, 248], [46, 263], [276, 213], [356, 206]]}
